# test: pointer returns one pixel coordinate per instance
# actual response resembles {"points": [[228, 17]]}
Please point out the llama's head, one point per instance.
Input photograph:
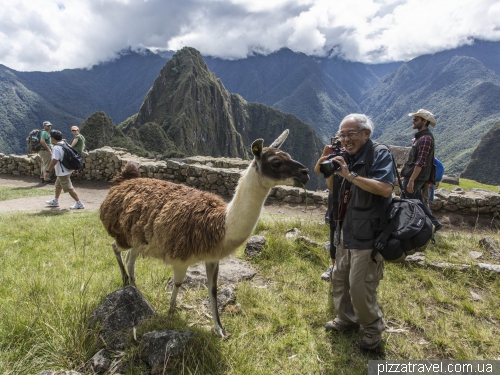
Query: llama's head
{"points": [[276, 167]]}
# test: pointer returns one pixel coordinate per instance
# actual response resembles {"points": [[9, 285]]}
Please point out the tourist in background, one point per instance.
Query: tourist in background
{"points": [[439, 177], [418, 168], [63, 181], [45, 151], [78, 142]]}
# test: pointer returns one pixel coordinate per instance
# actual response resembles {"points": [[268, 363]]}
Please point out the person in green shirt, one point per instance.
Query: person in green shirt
{"points": [[78, 142], [46, 150]]}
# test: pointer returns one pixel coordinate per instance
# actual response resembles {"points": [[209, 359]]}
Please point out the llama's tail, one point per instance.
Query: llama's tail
{"points": [[130, 171]]}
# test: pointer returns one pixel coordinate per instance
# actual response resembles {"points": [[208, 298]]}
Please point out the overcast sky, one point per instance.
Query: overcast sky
{"points": [[50, 35]]}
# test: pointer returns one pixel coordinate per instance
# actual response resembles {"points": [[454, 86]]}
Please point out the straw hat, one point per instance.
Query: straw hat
{"points": [[426, 115]]}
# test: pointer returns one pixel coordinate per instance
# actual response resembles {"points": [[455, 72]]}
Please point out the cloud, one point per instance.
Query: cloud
{"points": [[53, 35]]}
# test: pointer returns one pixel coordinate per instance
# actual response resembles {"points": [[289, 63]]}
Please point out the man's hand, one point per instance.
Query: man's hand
{"points": [[323, 158], [344, 169], [44, 144], [411, 186]]}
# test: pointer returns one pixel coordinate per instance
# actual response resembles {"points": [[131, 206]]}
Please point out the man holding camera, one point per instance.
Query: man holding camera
{"points": [[367, 176], [419, 168]]}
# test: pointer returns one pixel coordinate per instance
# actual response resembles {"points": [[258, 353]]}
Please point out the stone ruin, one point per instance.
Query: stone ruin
{"points": [[221, 176]]}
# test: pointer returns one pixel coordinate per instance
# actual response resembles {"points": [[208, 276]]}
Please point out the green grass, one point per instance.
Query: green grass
{"points": [[469, 184], [8, 193], [57, 268]]}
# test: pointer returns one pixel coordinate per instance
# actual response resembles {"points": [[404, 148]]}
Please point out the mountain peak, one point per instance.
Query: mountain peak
{"points": [[191, 108]]}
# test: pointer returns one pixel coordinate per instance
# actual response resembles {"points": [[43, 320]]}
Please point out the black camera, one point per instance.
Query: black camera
{"points": [[329, 166]]}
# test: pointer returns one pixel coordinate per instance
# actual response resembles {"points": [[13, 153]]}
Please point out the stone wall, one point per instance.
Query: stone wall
{"points": [[221, 175], [217, 175], [474, 201]]}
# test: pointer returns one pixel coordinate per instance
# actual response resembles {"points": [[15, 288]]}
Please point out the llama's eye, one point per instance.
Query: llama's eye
{"points": [[276, 164]]}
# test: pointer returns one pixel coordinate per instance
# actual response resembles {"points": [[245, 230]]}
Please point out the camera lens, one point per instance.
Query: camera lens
{"points": [[326, 168]]}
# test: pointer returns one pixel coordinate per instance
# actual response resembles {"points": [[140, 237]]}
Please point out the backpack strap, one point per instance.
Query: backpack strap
{"points": [[60, 160], [387, 225]]}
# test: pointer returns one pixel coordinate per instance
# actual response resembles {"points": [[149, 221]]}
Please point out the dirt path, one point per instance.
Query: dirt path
{"points": [[92, 193]]}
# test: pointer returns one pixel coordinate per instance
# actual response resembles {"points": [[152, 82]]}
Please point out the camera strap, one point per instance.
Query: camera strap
{"points": [[345, 196]]}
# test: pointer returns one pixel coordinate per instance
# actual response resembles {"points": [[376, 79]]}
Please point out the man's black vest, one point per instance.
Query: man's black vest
{"points": [[365, 210], [425, 173]]}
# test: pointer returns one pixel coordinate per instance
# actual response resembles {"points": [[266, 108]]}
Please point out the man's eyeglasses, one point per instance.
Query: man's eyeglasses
{"points": [[416, 119], [349, 135]]}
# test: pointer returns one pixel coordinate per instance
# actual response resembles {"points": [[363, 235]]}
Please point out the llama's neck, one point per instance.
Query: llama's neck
{"points": [[244, 210]]}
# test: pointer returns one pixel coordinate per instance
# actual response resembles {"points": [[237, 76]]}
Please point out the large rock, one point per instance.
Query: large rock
{"points": [[489, 267], [158, 347], [100, 362], [117, 316], [254, 246], [491, 246]]}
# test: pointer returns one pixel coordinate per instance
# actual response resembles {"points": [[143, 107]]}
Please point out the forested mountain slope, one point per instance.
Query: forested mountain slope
{"points": [[462, 93], [485, 161]]}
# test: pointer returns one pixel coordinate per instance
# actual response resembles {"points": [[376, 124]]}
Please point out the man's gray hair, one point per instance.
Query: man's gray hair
{"points": [[363, 121]]}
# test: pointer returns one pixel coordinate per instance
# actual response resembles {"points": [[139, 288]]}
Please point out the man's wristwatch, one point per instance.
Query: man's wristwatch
{"points": [[352, 176]]}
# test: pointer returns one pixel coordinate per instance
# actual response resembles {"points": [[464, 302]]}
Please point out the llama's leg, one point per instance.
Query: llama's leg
{"points": [[212, 274], [130, 262], [118, 256], [179, 275]]}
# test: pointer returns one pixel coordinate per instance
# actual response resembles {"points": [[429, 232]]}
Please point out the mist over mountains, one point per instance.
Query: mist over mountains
{"points": [[461, 87]]}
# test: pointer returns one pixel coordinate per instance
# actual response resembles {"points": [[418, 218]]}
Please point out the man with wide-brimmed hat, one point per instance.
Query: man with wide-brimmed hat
{"points": [[46, 150], [418, 169]]}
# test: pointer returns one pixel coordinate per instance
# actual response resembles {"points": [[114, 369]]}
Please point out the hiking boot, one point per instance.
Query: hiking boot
{"points": [[336, 326], [77, 206], [371, 341], [327, 275], [53, 203], [437, 226]]}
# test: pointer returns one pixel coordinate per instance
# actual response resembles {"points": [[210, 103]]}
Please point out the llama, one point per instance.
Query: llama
{"points": [[183, 226]]}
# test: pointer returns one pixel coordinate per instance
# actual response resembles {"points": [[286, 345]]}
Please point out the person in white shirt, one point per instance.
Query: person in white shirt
{"points": [[63, 181]]}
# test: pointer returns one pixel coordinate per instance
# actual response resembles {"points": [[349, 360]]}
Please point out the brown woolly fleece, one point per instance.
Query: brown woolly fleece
{"points": [[164, 220]]}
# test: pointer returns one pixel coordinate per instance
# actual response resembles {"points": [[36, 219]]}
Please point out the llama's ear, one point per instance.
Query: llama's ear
{"points": [[279, 141], [257, 148]]}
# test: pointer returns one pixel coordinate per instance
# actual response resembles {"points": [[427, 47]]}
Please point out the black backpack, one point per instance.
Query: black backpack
{"points": [[71, 159], [406, 230], [33, 141]]}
